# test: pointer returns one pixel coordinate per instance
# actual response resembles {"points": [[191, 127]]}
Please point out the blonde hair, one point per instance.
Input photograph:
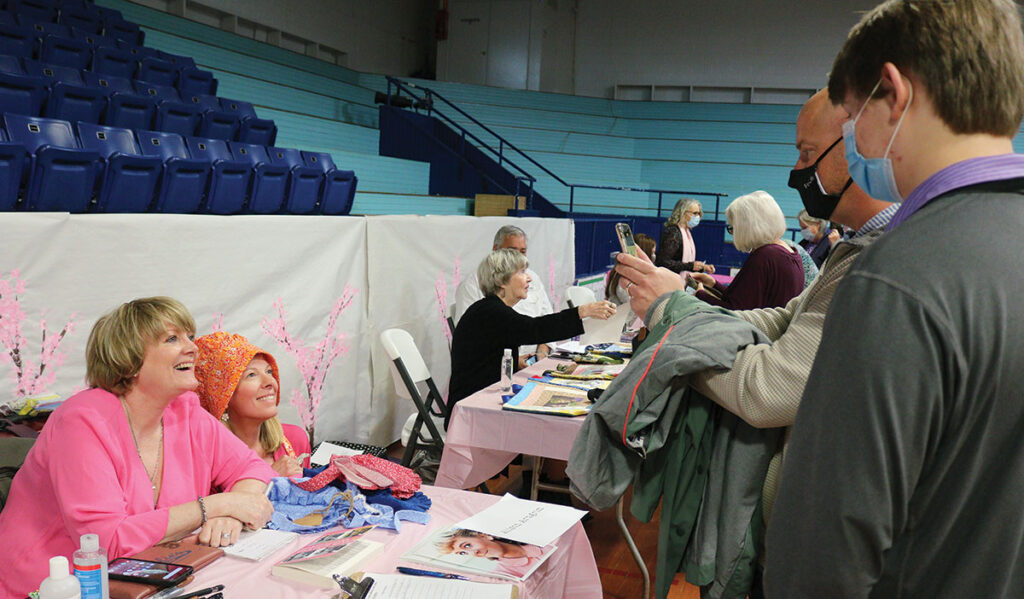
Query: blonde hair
{"points": [[271, 434], [497, 268], [117, 343], [756, 220], [682, 206]]}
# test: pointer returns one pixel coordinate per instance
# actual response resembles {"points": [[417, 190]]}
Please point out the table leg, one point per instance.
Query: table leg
{"points": [[632, 547]]}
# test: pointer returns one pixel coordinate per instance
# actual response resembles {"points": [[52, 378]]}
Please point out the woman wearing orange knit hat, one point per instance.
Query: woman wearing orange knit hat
{"points": [[239, 383]]}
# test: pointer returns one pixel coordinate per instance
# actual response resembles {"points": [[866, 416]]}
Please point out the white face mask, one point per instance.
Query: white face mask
{"points": [[693, 222], [873, 175]]}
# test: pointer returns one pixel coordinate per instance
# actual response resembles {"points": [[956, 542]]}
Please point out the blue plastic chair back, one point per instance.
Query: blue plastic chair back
{"points": [[161, 93], [94, 39], [305, 183], [111, 83], [11, 64], [107, 141], [182, 62], [23, 94], [42, 29], [84, 20], [38, 10], [66, 51], [53, 73], [230, 179], [184, 180], [139, 52], [62, 177], [124, 30], [17, 41], [7, 18], [130, 179], [163, 145], [12, 165], [35, 132], [243, 109], [112, 61], [158, 71], [270, 181], [195, 82], [320, 160], [258, 131]]}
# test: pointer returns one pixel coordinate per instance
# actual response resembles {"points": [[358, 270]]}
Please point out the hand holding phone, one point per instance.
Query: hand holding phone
{"points": [[625, 235], [147, 572]]}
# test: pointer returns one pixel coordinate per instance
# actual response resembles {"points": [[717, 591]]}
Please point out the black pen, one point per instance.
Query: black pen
{"points": [[200, 592]]}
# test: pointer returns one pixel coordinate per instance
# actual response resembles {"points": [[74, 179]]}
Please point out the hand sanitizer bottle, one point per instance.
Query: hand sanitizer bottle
{"points": [[60, 584], [91, 568], [506, 372]]}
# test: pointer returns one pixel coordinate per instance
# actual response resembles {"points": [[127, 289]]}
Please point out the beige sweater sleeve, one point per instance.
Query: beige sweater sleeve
{"points": [[766, 382]]}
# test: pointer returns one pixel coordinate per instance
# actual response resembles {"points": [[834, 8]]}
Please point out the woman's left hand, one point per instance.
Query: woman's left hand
{"points": [[709, 268], [287, 466], [645, 282], [220, 531]]}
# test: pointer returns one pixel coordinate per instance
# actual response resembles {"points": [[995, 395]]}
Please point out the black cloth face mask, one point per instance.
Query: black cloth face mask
{"points": [[818, 203]]}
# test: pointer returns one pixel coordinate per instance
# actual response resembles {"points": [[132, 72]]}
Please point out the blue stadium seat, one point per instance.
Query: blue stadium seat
{"points": [[184, 181], [304, 182], [270, 181], [62, 177], [22, 94], [196, 82], [124, 30], [339, 190], [93, 38], [12, 165], [43, 29], [114, 61], [66, 51], [7, 18], [69, 99], [172, 114], [182, 62], [106, 13], [12, 66], [17, 41], [229, 179], [217, 122], [130, 179], [37, 10], [82, 19], [157, 71], [139, 52], [253, 130], [125, 108]]}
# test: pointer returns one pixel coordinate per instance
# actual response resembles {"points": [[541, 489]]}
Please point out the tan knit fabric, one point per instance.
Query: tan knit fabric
{"points": [[766, 382]]}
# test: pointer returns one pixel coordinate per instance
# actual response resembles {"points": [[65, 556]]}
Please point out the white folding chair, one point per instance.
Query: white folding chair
{"points": [[577, 296], [409, 371]]}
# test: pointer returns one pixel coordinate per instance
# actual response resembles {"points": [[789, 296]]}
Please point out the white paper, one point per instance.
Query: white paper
{"points": [[523, 520], [392, 586], [260, 544], [326, 450], [605, 331]]}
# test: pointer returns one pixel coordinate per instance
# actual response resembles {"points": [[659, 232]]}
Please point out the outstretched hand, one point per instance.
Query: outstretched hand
{"points": [[645, 282]]}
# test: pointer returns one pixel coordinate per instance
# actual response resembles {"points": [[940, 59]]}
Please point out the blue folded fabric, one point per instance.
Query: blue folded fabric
{"points": [[418, 502], [332, 506]]}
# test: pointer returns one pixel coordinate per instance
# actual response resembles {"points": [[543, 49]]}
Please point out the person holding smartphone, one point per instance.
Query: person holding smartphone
{"points": [[134, 459], [678, 252], [491, 325]]}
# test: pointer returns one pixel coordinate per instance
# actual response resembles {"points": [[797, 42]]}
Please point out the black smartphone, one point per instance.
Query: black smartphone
{"points": [[625, 234], [146, 572]]}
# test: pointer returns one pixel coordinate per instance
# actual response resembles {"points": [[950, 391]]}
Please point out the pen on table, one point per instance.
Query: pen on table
{"points": [[200, 592], [418, 572]]}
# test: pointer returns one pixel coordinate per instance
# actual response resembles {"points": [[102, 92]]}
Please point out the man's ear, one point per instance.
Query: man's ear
{"points": [[898, 86]]}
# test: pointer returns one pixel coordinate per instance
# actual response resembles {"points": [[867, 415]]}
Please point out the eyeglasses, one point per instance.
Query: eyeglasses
{"points": [[729, 229]]}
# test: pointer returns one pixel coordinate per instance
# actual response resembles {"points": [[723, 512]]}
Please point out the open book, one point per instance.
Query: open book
{"points": [[455, 549], [333, 553], [549, 399]]}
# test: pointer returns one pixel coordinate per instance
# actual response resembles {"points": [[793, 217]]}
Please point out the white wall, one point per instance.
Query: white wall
{"points": [[383, 36], [589, 46]]}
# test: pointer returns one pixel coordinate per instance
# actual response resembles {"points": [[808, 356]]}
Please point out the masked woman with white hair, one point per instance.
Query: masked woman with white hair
{"points": [[490, 326], [773, 273], [678, 253]]}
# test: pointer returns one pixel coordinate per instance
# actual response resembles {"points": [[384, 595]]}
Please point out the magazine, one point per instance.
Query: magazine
{"points": [[341, 552], [548, 399], [455, 549]]}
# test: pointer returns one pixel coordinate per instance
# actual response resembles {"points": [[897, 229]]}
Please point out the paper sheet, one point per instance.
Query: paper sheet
{"points": [[523, 520], [605, 331], [260, 544], [323, 453], [391, 586]]}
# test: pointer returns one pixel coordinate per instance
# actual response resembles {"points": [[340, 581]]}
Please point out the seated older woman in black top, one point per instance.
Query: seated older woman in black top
{"points": [[490, 325]]}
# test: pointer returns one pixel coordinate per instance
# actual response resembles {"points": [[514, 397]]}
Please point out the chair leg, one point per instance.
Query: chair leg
{"points": [[632, 547]]}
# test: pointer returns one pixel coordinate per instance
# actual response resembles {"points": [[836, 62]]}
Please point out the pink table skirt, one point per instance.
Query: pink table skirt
{"points": [[482, 438], [571, 572]]}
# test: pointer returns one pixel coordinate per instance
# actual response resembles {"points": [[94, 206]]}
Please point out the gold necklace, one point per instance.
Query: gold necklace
{"points": [[159, 453]]}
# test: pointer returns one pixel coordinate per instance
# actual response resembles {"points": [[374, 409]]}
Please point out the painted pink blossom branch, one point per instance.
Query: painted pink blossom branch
{"points": [[30, 378], [441, 293], [313, 363], [555, 296], [218, 322]]}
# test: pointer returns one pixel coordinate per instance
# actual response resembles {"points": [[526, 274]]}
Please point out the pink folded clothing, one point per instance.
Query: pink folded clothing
{"points": [[366, 472]]}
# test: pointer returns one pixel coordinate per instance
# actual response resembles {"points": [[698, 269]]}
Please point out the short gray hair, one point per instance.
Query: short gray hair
{"points": [[803, 217], [497, 268], [682, 206], [507, 231], [756, 220]]}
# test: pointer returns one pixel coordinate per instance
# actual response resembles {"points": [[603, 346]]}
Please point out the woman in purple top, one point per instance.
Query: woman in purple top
{"points": [[773, 273]]}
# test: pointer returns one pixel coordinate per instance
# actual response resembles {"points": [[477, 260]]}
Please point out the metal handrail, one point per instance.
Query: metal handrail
{"points": [[430, 94]]}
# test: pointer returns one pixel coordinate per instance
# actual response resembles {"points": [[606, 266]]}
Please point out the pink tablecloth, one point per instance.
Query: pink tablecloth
{"points": [[482, 438], [571, 572]]}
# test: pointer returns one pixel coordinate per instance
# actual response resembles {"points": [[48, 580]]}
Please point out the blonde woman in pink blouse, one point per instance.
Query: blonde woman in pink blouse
{"points": [[133, 459]]}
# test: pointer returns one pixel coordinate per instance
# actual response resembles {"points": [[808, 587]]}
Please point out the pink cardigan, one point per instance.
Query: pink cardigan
{"points": [[84, 475]]}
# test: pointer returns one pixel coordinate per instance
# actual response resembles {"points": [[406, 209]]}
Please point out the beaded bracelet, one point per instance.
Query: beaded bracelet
{"points": [[202, 508]]}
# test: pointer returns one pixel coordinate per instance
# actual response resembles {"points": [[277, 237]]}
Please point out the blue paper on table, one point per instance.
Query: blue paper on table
{"points": [[549, 399]]}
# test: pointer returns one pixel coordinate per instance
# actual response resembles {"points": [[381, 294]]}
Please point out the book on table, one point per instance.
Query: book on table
{"points": [[455, 549], [549, 399], [391, 586], [339, 552]]}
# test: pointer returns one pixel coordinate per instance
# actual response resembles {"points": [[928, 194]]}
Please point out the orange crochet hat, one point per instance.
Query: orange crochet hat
{"points": [[223, 357]]}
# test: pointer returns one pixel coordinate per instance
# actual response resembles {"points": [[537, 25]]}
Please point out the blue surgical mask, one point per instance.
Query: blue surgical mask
{"points": [[873, 175], [693, 222], [807, 234]]}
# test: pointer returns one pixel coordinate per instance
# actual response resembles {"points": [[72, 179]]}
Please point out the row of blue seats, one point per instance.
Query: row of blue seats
{"points": [[87, 17], [108, 169], [131, 62], [53, 91]]}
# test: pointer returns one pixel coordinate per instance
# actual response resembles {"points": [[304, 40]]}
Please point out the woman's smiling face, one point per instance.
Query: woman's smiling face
{"points": [[256, 395]]}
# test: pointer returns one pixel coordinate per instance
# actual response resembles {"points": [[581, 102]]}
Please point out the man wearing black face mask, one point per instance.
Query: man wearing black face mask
{"points": [[766, 382]]}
